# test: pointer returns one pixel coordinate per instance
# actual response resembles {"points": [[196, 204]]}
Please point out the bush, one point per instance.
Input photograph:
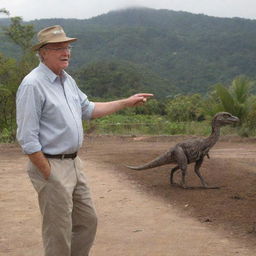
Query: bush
{"points": [[185, 108], [7, 136]]}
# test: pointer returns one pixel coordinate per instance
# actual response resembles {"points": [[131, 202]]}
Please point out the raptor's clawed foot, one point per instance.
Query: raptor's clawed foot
{"points": [[177, 185], [211, 187], [204, 187], [194, 187], [180, 185]]}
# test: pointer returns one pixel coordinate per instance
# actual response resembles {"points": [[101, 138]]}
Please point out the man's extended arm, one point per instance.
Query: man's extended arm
{"points": [[107, 108]]}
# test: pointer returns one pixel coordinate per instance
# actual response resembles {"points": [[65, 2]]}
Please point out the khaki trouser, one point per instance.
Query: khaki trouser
{"points": [[68, 217]]}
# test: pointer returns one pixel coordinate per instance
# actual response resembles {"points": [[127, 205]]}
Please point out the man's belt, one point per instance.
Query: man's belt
{"points": [[62, 156]]}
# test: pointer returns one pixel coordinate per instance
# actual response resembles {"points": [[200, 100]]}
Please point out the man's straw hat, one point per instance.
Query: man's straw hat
{"points": [[54, 34]]}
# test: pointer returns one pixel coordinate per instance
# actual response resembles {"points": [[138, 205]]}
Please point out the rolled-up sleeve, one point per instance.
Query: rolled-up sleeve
{"points": [[86, 105], [29, 103]]}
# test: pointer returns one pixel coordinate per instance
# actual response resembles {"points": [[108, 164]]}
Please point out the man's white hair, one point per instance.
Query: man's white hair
{"points": [[39, 56]]}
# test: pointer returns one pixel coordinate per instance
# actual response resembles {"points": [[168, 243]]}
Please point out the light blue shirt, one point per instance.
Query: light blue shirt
{"points": [[50, 110]]}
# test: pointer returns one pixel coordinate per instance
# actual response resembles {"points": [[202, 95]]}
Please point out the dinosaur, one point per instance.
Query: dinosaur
{"points": [[191, 151]]}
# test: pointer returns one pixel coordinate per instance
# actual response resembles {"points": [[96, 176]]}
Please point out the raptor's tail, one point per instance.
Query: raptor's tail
{"points": [[166, 158]]}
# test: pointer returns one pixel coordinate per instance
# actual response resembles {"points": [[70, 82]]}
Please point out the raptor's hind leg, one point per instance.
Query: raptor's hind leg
{"points": [[183, 177], [182, 162], [176, 168], [197, 167], [197, 171]]}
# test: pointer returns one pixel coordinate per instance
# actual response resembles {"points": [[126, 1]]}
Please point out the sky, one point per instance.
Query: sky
{"points": [[85, 9]]}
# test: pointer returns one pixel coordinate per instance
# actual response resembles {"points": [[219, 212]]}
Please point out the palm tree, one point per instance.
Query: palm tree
{"points": [[237, 98]]}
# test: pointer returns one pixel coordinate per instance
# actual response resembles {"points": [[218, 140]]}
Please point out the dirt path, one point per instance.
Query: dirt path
{"points": [[140, 214]]}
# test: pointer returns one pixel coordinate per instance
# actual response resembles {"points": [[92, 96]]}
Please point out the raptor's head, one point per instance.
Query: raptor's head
{"points": [[224, 118]]}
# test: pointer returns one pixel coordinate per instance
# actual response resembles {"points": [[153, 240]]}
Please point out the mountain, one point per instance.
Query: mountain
{"points": [[190, 51]]}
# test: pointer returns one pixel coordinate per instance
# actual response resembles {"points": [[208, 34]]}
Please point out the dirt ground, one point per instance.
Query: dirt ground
{"points": [[140, 214]]}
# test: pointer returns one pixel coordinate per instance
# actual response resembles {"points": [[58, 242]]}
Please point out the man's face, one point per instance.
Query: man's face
{"points": [[56, 56]]}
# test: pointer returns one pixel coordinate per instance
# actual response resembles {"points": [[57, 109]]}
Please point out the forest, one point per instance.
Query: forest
{"points": [[195, 65]]}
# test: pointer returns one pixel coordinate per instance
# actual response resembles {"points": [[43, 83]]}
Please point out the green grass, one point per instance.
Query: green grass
{"points": [[141, 125], [150, 125]]}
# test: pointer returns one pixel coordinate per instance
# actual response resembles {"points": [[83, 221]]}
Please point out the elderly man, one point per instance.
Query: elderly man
{"points": [[50, 109]]}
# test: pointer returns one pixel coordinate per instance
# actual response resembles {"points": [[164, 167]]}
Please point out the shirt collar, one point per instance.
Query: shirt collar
{"points": [[50, 74]]}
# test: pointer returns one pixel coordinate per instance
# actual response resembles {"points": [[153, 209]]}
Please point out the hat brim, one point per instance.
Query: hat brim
{"points": [[36, 47]]}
